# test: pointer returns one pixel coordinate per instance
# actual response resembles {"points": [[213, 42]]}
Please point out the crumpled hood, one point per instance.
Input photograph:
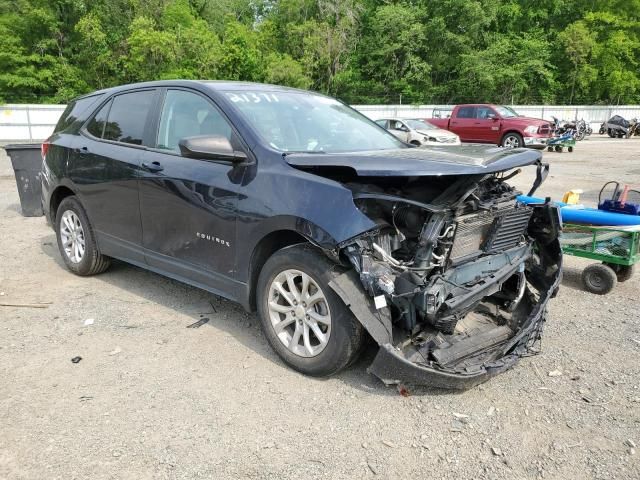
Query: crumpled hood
{"points": [[424, 161]]}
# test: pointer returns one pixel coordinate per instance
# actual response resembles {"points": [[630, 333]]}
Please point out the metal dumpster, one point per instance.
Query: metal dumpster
{"points": [[27, 161]]}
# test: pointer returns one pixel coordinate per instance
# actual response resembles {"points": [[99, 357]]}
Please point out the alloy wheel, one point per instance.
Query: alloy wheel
{"points": [[299, 313], [72, 236], [512, 141]]}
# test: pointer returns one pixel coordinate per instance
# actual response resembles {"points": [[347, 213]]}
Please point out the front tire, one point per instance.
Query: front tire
{"points": [[512, 140], [76, 240], [305, 322]]}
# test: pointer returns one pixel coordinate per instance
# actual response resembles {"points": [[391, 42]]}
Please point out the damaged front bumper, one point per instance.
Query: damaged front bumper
{"points": [[497, 303], [392, 367]]}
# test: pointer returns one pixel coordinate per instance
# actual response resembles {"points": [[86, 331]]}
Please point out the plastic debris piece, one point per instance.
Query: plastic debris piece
{"points": [[76, 359], [402, 390]]}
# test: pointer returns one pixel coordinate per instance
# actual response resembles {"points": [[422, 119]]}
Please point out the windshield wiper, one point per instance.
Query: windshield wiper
{"points": [[284, 154]]}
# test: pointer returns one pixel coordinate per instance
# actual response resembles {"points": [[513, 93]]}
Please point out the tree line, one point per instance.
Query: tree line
{"points": [[362, 51]]}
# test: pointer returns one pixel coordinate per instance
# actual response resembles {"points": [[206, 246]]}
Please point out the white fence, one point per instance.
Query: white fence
{"points": [[28, 122], [36, 122]]}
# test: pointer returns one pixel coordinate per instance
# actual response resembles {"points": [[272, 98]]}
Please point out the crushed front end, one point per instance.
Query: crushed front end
{"points": [[453, 283]]}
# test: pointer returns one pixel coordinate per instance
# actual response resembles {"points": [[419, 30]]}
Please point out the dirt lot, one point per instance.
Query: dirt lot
{"points": [[154, 399]]}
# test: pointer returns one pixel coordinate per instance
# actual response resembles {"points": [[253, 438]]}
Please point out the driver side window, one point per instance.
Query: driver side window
{"points": [[485, 113], [186, 114]]}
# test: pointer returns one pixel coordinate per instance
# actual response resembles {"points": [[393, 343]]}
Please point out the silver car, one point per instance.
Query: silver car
{"points": [[418, 132]]}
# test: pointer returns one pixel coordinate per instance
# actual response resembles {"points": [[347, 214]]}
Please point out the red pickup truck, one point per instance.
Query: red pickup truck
{"points": [[497, 124]]}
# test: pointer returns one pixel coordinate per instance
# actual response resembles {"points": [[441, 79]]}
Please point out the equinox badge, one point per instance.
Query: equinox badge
{"points": [[212, 238]]}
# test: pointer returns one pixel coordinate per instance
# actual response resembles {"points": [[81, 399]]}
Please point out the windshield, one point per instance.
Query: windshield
{"points": [[420, 125], [506, 112], [304, 122]]}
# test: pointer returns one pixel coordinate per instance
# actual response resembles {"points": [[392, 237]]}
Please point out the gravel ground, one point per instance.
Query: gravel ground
{"points": [[154, 399]]}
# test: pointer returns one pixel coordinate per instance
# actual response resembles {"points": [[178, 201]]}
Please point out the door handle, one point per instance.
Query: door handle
{"points": [[152, 166], [81, 151]]}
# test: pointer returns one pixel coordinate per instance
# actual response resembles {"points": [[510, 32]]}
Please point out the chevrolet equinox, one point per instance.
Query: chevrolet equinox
{"points": [[295, 205]]}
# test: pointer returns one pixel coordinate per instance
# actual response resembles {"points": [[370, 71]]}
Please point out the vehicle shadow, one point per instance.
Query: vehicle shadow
{"points": [[226, 316], [572, 278], [14, 207]]}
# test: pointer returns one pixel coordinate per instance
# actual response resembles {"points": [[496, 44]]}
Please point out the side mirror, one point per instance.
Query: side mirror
{"points": [[210, 147]]}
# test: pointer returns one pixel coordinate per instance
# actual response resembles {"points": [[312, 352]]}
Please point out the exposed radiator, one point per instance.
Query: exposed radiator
{"points": [[489, 232], [508, 229]]}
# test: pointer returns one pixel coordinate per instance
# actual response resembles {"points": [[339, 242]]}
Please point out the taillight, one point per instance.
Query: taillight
{"points": [[44, 148]]}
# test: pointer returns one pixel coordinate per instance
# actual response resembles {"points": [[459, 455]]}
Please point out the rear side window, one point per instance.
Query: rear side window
{"points": [[128, 117], [97, 123], [74, 112], [466, 112]]}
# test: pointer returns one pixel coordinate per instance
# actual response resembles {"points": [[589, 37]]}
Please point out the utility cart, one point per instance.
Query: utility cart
{"points": [[617, 248], [560, 143]]}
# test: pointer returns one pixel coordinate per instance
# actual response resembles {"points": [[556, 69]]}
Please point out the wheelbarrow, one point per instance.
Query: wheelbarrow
{"points": [[558, 144], [617, 249]]}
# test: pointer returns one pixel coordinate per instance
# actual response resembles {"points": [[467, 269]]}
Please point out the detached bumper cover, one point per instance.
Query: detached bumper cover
{"points": [[392, 368], [535, 141]]}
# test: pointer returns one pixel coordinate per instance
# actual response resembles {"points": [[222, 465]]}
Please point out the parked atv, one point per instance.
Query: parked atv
{"points": [[616, 126], [634, 128]]}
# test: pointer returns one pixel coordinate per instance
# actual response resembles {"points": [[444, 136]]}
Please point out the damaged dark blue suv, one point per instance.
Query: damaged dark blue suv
{"points": [[295, 205]]}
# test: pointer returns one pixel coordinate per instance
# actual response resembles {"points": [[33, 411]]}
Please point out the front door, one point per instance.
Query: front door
{"points": [[399, 129], [486, 128], [188, 205]]}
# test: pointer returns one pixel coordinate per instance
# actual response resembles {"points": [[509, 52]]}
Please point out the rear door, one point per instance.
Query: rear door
{"points": [[462, 122], [104, 166], [188, 205]]}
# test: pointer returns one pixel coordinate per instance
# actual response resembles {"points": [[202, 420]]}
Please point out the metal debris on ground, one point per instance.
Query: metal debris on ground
{"points": [[199, 323], [76, 359], [26, 305]]}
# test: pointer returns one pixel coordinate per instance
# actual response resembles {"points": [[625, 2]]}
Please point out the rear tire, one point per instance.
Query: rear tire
{"points": [[76, 240], [318, 339], [623, 272], [415, 142], [599, 279]]}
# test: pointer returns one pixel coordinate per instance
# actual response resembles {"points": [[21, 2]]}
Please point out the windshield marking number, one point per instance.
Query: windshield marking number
{"points": [[251, 97]]}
